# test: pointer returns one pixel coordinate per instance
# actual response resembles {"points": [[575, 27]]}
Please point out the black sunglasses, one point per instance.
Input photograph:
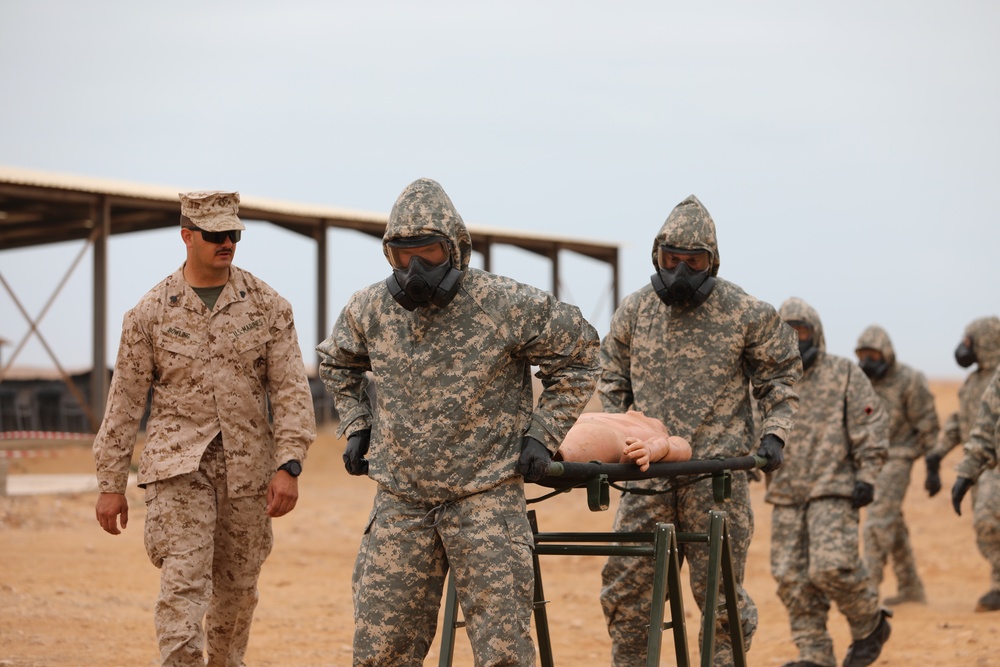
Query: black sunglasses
{"points": [[218, 237]]}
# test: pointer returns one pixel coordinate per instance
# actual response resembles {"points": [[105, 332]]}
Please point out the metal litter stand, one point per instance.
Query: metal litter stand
{"points": [[661, 545]]}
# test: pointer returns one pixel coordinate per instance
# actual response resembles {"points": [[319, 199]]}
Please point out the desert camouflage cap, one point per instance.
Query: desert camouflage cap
{"points": [[211, 210]]}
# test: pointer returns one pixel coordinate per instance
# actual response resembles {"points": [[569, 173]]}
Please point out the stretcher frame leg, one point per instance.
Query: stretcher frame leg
{"points": [[666, 590], [451, 623], [540, 613], [661, 545], [720, 566], [664, 549]]}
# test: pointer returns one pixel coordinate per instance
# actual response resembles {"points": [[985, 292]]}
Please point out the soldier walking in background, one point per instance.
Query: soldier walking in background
{"points": [[832, 462], [685, 349], [219, 349], [981, 346], [981, 453], [454, 436], [913, 430]]}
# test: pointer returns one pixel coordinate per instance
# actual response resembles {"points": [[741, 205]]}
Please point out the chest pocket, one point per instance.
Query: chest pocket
{"points": [[178, 359], [170, 348], [252, 347]]}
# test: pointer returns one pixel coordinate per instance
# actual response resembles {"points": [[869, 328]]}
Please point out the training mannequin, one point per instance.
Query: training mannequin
{"points": [[629, 437]]}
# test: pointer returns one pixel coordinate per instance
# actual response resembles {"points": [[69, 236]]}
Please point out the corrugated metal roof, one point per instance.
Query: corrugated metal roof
{"points": [[104, 186], [62, 181], [261, 206]]}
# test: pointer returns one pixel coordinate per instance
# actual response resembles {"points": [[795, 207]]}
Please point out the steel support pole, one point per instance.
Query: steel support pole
{"points": [[99, 380]]}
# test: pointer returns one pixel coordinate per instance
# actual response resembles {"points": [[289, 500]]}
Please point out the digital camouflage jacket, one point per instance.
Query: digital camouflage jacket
{"points": [[691, 367], [981, 448], [453, 384], [841, 430], [985, 334], [906, 397]]}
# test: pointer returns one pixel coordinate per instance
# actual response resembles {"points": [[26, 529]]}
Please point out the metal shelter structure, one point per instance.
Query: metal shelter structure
{"points": [[38, 208]]}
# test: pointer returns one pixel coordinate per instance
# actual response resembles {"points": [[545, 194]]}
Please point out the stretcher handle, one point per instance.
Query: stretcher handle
{"points": [[565, 470]]}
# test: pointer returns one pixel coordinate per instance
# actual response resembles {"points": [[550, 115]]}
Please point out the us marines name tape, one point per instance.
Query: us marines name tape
{"points": [[246, 328]]}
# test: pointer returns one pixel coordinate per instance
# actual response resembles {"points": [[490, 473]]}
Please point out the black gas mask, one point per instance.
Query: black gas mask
{"points": [[808, 349], [676, 283], [874, 368], [965, 353], [422, 274]]}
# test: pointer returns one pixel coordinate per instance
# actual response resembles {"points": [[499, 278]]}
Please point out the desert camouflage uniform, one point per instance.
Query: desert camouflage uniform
{"points": [[690, 368], [913, 429], [840, 437], [454, 401], [961, 427], [210, 450]]}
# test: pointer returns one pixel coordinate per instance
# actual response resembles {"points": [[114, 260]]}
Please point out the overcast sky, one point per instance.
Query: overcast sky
{"points": [[849, 152]]}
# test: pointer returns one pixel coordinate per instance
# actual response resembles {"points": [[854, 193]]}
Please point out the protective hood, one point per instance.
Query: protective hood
{"points": [[985, 334], [423, 209], [876, 338], [795, 308], [689, 226]]}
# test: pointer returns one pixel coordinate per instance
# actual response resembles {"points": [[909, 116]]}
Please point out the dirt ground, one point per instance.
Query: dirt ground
{"points": [[71, 594]]}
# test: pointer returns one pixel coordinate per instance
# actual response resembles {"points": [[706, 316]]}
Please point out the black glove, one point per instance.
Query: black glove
{"points": [[534, 461], [933, 481], [864, 494], [771, 447], [354, 453], [958, 491]]}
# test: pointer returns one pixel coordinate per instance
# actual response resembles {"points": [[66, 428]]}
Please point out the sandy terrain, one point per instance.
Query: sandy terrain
{"points": [[72, 595]]}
